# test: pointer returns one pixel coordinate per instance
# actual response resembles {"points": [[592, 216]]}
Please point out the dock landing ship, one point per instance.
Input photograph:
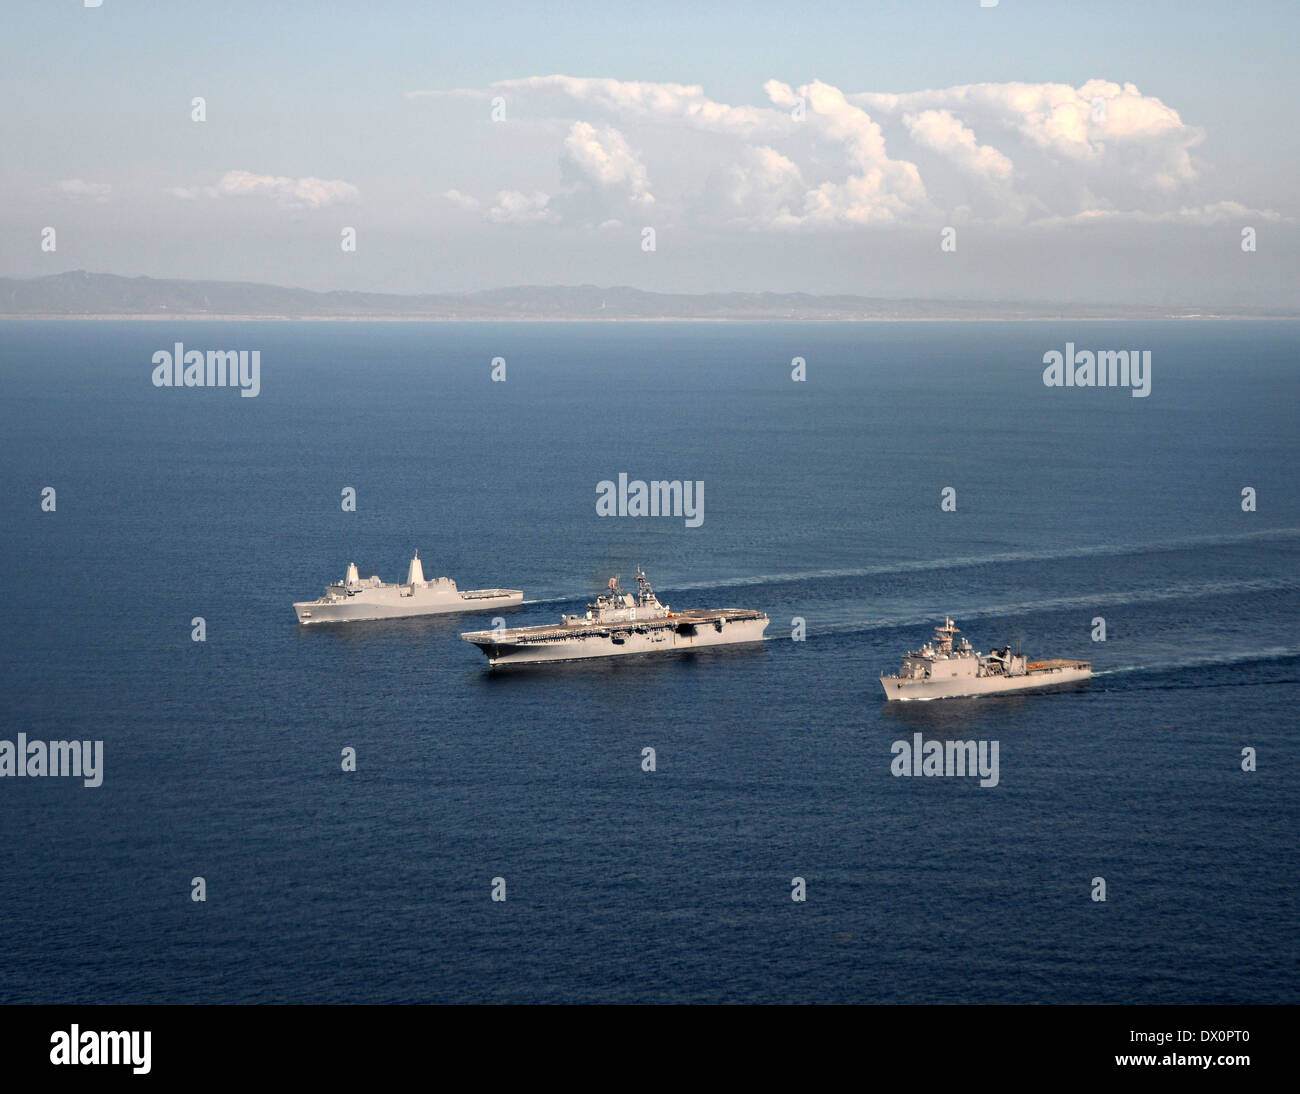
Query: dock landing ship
{"points": [[356, 598], [943, 669], [618, 624]]}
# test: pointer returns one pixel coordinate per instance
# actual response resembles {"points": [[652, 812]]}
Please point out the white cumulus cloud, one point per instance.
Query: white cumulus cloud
{"points": [[289, 193], [80, 189], [820, 158], [941, 132], [669, 102], [603, 181], [762, 189], [602, 159], [516, 207], [467, 202], [878, 189]]}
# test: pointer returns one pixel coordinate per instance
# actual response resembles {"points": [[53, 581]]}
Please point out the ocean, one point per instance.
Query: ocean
{"points": [[822, 502]]}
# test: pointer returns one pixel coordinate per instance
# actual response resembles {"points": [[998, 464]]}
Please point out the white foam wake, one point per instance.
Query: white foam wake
{"points": [[996, 559]]}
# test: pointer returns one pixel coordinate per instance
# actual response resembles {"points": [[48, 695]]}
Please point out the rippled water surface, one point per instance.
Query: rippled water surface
{"points": [[821, 501]]}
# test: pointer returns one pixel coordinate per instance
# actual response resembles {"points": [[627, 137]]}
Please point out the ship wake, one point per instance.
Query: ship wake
{"points": [[1003, 558]]}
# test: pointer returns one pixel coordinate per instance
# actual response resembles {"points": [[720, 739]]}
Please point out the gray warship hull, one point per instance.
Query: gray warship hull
{"points": [[1050, 675], [690, 630], [357, 609], [619, 625], [356, 599], [949, 669]]}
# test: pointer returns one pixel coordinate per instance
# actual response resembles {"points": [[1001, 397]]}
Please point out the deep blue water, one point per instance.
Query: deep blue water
{"points": [[821, 501]]}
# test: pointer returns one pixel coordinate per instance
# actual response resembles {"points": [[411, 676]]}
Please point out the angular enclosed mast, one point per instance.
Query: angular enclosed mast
{"points": [[943, 635]]}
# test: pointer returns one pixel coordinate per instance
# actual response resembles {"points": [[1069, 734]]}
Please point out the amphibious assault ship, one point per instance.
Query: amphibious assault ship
{"points": [[618, 624], [943, 669], [355, 598]]}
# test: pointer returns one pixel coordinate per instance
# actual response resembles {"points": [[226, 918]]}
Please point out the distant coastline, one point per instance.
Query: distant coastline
{"points": [[91, 296], [201, 317]]}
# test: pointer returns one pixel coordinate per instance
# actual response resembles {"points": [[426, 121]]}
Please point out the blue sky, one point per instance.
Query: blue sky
{"points": [[1148, 203]]}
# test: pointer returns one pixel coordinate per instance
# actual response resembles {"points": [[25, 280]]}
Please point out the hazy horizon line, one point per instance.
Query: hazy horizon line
{"points": [[1095, 310]]}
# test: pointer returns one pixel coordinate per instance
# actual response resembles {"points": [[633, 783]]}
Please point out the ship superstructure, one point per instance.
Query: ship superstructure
{"points": [[617, 623], [948, 668], [358, 598]]}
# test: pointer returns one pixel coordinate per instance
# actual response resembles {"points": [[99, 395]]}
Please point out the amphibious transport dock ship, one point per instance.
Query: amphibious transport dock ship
{"points": [[354, 598], [618, 624], [944, 670]]}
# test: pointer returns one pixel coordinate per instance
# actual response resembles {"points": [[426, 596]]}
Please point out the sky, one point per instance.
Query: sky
{"points": [[1026, 151]]}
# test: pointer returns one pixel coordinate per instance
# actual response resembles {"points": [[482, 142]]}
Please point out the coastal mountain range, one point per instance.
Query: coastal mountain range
{"points": [[79, 294]]}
